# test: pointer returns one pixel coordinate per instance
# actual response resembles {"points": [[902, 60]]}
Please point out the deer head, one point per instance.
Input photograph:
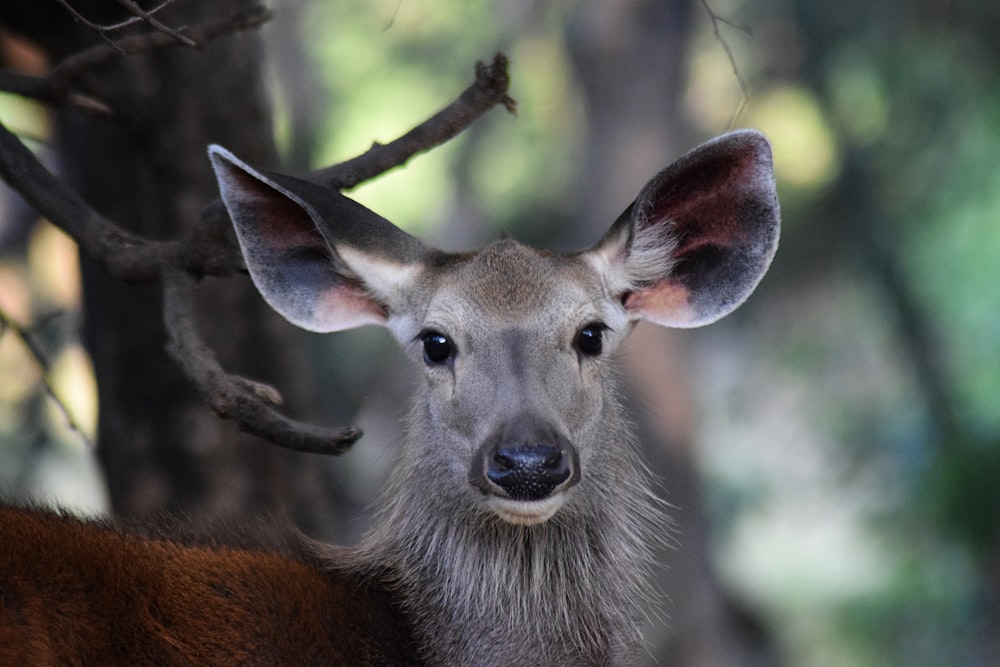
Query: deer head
{"points": [[513, 341], [519, 516]]}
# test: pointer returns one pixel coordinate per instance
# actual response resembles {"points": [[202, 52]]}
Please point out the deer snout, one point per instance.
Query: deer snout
{"points": [[529, 472], [524, 470]]}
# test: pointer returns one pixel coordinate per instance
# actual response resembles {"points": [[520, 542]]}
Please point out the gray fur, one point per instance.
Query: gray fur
{"points": [[571, 591], [481, 591]]}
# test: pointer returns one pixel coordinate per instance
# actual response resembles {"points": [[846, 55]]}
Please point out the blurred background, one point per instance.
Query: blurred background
{"points": [[832, 450]]}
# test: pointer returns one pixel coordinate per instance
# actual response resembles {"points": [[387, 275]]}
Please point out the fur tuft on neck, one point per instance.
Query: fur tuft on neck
{"points": [[572, 591]]}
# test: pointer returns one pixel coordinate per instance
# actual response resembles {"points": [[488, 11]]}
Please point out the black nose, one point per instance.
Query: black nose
{"points": [[528, 472], [526, 458]]}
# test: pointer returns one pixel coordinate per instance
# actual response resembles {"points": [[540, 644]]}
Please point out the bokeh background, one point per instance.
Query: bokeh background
{"points": [[832, 449]]}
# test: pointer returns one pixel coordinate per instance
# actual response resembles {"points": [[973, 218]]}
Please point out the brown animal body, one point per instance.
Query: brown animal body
{"points": [[518, 527], [88, 594]]}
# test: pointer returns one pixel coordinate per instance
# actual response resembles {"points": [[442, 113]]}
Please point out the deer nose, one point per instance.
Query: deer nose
{"points": [[529, 472]]}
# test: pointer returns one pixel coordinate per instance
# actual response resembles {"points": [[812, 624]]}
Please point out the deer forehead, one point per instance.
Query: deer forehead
{"points": [[513, 286]]}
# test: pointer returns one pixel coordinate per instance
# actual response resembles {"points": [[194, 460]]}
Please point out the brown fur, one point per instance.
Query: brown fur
{"points": [[79, 593]]}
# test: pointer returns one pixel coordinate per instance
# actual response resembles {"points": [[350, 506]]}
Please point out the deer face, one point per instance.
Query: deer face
{"points": [[514, 342], [515, 373]]}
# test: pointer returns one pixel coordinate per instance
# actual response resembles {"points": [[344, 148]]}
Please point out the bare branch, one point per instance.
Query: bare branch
{"points": [[148, 17], [489, 89], [232, 397], [55, 88], [104, 53], [209, 250], [125, 255], [96, 27], [103, 30]]}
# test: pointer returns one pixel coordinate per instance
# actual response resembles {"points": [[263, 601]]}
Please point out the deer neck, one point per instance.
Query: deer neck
{"points": [[478, 590]]}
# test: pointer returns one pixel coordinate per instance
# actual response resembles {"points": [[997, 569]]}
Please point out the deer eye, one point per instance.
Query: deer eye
{"points": [[590, 340], [437, 348]]}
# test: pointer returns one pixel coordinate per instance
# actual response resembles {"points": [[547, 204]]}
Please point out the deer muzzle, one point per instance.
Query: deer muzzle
{"points": [[524, 470]]}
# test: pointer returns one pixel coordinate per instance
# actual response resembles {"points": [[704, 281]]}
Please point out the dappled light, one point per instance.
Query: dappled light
{"points": [[792, 118], [47, 393]]}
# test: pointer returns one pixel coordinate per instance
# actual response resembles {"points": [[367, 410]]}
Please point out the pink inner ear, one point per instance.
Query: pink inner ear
{"points": [[665, 303], [662, 296], [278, 223], [718, 205], [278, 236], [347, 307], [704, 202]]}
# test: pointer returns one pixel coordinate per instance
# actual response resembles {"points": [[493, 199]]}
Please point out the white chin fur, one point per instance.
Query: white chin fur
{"points": [[526, 512]]}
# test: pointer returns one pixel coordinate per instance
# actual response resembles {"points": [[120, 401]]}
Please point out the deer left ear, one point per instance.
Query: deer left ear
{"points": [[321, 260], [700, 235]]}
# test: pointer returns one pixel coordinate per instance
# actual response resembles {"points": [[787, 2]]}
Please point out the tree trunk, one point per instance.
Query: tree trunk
{"points": [[146, 170]]}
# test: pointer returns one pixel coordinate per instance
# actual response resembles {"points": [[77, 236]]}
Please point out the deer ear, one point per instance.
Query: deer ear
{"points": [[321, 260], [700, 235]]}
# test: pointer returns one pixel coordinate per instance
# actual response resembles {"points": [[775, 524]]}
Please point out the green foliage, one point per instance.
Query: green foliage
{"points": [[901, 101], [386, 66], [961, 495], [923, 616], [950, 241]]}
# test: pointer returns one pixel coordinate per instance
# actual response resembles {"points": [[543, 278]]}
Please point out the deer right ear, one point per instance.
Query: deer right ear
{"points": [[699, 237], [311, 252]]}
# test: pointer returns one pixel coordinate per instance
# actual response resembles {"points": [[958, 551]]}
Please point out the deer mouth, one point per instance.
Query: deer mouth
{"points": [[526, 512]]}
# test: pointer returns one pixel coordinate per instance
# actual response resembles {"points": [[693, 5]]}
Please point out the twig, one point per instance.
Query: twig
{"points": [[55, 88], [392, 18], [41, 360], [148, 17], [137, 17], [233, 397], [103, 30], [489, 89], [104, 53], [124, 255], [744, 91]]}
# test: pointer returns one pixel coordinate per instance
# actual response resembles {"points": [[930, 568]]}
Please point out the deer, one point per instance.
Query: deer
{"points": [[518, 525]]}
